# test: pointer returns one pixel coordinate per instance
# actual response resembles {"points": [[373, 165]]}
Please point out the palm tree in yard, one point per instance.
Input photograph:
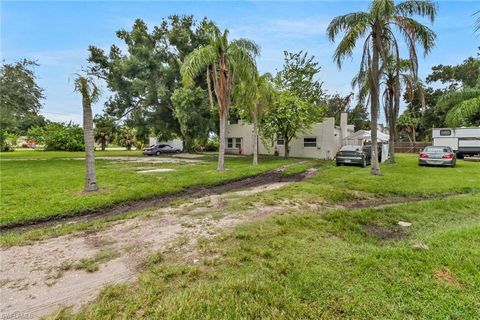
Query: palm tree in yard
{"points": [[254, 96], [377, 27], [227, 62], [397, 75], [90, 94]]}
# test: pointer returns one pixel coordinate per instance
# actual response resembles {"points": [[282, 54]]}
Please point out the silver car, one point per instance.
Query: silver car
{"points": [[437, 156]]}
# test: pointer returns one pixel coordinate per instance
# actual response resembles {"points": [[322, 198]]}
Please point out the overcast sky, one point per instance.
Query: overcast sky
{"points": [[58, 33]]}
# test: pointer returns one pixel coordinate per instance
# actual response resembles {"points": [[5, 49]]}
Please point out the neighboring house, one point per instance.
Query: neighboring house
{"points": [[175, 143], [322, 141]]}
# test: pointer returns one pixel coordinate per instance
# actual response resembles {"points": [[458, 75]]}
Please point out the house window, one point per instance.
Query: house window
{"points": [[234, 143], [310, 142], [280, 142], [238, 143], [445, 132]]}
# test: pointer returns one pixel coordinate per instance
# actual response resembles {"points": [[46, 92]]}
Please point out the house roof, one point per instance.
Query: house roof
{"points": [[366, 135]]}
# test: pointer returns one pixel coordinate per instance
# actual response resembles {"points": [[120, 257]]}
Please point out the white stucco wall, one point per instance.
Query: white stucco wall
{"points": [[326, 133]]}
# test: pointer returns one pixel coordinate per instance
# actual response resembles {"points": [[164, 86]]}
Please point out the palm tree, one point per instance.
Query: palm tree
{"points": [[254, 97], [90, 94], [376, 26], [463, 103], [227, 62], [397, 75]]}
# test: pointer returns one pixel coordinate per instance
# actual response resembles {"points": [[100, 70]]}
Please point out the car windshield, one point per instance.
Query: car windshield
{"points": [[437, 149], [351, 148]]}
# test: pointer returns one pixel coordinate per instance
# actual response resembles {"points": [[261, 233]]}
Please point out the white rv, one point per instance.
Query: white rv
{"points": [[464, 141]]}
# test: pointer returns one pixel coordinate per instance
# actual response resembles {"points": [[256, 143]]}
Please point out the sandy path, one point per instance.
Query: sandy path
{"points": [[33, 285]]}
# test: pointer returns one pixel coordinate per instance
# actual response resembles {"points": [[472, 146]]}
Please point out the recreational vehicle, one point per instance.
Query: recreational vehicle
{"points": [[464, 141]]}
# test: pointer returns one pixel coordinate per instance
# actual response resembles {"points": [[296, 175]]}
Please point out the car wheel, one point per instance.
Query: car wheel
{"points": [[364, 163], [338, 164], [158, 153]]}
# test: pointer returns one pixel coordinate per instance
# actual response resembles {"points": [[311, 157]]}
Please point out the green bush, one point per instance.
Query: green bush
{"points": [[58, 137], [8, 141]]}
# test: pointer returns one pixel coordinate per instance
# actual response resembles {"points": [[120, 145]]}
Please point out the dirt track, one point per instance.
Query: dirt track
{"points": [[275, 176], [34, 283]]}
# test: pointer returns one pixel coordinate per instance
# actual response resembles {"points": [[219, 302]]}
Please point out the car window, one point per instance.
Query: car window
{"points": [[351, 148], [437, 149]]}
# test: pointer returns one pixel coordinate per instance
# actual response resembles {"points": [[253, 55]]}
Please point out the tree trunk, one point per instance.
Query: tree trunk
{"points": [[90, 177], [221, 149], [104, 144], [374, 94], [287, 149], [255, 140], [391, 131]]}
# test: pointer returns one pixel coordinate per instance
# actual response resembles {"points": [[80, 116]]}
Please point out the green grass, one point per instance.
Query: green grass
{"points": [[404, 178], [317, 265], [38, 189], [39, 154]]}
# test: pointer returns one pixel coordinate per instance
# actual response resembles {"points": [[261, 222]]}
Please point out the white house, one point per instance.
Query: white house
{"points": [[322, 141]]}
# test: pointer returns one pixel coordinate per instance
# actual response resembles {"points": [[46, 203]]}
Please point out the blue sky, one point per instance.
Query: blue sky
{"points": [[57, 35]]}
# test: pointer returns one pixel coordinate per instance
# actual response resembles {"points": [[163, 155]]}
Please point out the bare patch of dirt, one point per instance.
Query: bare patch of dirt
{"points": [[263, 179], [383, 233], [444, 275]]}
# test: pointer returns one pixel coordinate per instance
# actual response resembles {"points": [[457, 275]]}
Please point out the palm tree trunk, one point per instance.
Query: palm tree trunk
{"points": [[255, 140], [391, 131], [374, 94], [90, 177], [221, 149]]}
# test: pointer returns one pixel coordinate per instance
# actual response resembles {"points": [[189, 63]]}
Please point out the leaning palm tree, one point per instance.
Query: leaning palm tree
{"points": [[90, 94], [227, 62], [377, 27], [253, 97]]}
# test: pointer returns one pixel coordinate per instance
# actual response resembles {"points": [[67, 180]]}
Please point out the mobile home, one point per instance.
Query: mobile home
{"points": [[464, 141]]}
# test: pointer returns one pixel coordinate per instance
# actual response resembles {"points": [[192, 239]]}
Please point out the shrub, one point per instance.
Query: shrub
{"points": [[58, 137], [8, 141]]}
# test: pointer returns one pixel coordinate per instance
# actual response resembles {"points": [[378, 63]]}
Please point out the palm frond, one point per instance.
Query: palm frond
{"points": [[453, 98], [415, 32], [247, 44], [423, 8], [462, 111], [345, 22], [348, 42], [196, 62], [87, 86]]}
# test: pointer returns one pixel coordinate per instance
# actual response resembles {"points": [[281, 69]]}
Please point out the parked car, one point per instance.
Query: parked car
{"points": [[354, 155], [158, 149], [437, 156]]}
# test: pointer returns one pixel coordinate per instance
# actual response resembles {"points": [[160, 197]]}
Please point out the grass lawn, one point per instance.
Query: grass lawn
{"points": [[316, 265], [50, 185]]}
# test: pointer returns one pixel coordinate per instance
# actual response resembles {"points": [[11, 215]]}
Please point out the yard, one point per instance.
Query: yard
{"points": [[37, 185], [327, 247]]}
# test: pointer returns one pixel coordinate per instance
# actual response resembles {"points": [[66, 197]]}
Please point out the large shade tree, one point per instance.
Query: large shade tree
{"points": [[377, 27], [90, 94], [225, 62]]}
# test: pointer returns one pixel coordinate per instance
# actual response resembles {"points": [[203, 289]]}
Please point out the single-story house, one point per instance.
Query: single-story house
{"points": [[322, 141]]}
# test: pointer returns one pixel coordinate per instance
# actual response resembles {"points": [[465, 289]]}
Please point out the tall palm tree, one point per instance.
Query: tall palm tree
{"points": [[397, 75], [227, 62], [377, 27], [90, 94], [254, 97]]}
